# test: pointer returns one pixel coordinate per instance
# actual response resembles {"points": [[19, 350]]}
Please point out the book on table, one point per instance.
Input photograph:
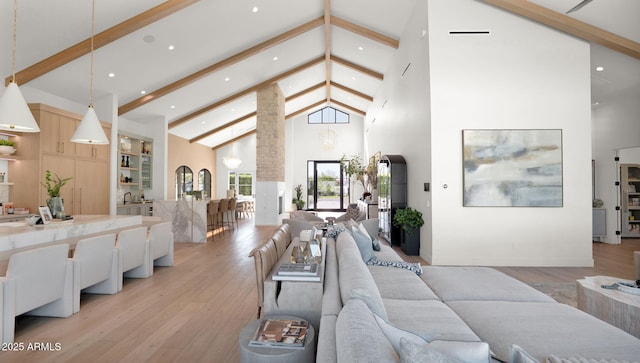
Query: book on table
{"points": [[277, 333], [297, 272]]}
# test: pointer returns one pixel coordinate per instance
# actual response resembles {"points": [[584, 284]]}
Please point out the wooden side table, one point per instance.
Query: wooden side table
{"points": [[617, 308], [250, 354]]}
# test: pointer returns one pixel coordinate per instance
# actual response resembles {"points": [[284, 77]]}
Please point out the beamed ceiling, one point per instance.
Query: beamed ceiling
{"points": [[320, 52]]}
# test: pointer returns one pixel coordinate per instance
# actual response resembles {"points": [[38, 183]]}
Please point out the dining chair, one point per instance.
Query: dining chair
{"points": [[161, 244], [231, 212], [95, 267], [133, 252], [223, 207], [37, 282]]}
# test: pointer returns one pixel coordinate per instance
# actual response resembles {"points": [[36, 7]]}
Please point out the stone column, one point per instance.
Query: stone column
{"points": [[270, 156]]}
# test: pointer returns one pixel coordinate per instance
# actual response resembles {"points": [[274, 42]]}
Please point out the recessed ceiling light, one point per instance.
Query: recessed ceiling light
{"points": [[599, 68], [173, 107], [111, 75], [360, 48], [275, 58], [171, 47], [255, 9], [143, 92], [233, 110], [204, 122], [226, 79], [353, 78]]}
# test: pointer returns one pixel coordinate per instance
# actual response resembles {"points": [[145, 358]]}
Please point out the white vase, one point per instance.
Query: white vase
{"points": [[7, 150]]}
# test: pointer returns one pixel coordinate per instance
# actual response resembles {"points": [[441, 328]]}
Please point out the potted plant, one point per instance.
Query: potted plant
{"points": [[7, 147], [410, 220], [53, 186], [298, 201]]}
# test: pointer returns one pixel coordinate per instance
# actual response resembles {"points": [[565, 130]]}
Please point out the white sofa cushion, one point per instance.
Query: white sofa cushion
{"points": [[430, 319], [543, 329], [480, 283]]}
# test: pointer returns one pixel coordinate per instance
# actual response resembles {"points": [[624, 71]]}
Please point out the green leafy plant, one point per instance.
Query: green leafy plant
{"points": [[53, 184], [408, 219], [353, 166], [5, 142], [298, 201]]}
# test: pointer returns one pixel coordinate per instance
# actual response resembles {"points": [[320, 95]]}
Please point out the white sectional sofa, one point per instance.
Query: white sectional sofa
{"points": [[466, 313]]}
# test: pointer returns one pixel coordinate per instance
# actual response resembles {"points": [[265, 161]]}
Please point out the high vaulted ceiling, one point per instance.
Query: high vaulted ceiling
{"points": [[319, 52]]}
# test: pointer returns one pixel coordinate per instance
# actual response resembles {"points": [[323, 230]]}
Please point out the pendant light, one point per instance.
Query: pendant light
{"points": [[14, 111], [231, 162], [90, 130]]}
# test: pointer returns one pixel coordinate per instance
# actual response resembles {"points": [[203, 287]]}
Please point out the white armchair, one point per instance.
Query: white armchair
{"points": [[95, 267], [161, 244], [134, 257], [38, 282]]}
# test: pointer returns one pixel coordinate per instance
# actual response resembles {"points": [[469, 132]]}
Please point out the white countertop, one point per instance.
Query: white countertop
{"points": [[19, 235]]}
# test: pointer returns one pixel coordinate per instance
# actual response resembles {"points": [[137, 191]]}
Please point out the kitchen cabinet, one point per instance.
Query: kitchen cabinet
{"points": [[135, 160], [630, 197], [51, 149], [56, 130]]}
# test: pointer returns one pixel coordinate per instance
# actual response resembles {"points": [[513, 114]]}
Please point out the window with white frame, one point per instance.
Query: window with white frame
{"points": [[241, 182]]}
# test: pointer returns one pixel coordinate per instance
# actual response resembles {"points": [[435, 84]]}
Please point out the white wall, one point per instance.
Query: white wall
{"points": [[523, 75], [245, 149], [304, 143]]}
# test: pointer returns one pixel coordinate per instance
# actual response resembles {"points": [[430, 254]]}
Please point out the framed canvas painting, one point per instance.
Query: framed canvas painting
{"points": [[512, 168]]}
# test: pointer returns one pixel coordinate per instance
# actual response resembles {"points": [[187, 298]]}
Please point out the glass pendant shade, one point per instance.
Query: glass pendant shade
{"points": [[14, 111], [231, 162], [90, 131]]}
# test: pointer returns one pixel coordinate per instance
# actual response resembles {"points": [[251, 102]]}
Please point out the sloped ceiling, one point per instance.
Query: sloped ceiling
{"points": [[320, 52]]}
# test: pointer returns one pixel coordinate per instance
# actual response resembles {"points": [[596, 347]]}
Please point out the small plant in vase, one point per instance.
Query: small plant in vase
{"points": [[298, 201], [53, 185]]}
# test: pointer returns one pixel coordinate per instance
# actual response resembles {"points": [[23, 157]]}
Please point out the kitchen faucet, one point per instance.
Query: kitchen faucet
{"points": [[124, 198]]}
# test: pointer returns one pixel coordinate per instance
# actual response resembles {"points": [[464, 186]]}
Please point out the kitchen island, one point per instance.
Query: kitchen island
{"points": [[189, 218], [18, 236]]}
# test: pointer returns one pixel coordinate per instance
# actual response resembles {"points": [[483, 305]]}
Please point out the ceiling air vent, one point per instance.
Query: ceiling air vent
{"points": [[469, 32]]}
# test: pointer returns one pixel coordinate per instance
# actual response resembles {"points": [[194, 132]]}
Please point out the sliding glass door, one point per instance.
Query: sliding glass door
{"points": [[326, 186]]}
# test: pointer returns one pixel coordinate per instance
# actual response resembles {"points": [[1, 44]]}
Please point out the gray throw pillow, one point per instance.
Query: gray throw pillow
{"points": [[394, 334], [374, 241], [364, 244]]}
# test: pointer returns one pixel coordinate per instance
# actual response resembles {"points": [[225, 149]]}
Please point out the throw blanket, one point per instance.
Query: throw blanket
{"points": [[414, 267]]}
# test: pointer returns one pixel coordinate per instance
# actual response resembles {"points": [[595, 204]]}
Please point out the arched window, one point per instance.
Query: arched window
{"points": [[184, 181], [204, 182]]}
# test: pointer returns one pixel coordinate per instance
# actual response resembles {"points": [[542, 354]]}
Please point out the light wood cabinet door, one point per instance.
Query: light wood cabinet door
{"points": [[92, 187], [65, 167], [56, 132], [95, 152]]}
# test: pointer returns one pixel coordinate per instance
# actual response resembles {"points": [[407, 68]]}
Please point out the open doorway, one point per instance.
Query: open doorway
{"points": [[327, 186]]}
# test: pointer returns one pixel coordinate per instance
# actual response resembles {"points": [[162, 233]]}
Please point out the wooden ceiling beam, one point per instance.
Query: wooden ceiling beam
{"points": [[327, 47], [306, 91], [100, 40], [365, 32], [350, 108], [290, 34], [356, 67], [569, 25], [352, 91], [305, 109], [244, 92], [222, 127]]}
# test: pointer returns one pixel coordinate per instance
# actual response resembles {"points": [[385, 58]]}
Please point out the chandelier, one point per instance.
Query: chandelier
{"points": [[231, 162], [328, 139]]}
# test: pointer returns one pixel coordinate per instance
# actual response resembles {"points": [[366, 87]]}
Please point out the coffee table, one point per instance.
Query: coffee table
{"points": [[617, 308]]}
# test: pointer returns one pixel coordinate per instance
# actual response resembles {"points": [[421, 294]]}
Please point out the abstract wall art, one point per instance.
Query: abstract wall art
{"points": [[512, 168]]}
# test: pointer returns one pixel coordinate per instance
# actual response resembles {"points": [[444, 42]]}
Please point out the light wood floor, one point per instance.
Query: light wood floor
{"points": [[194, 311]]}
